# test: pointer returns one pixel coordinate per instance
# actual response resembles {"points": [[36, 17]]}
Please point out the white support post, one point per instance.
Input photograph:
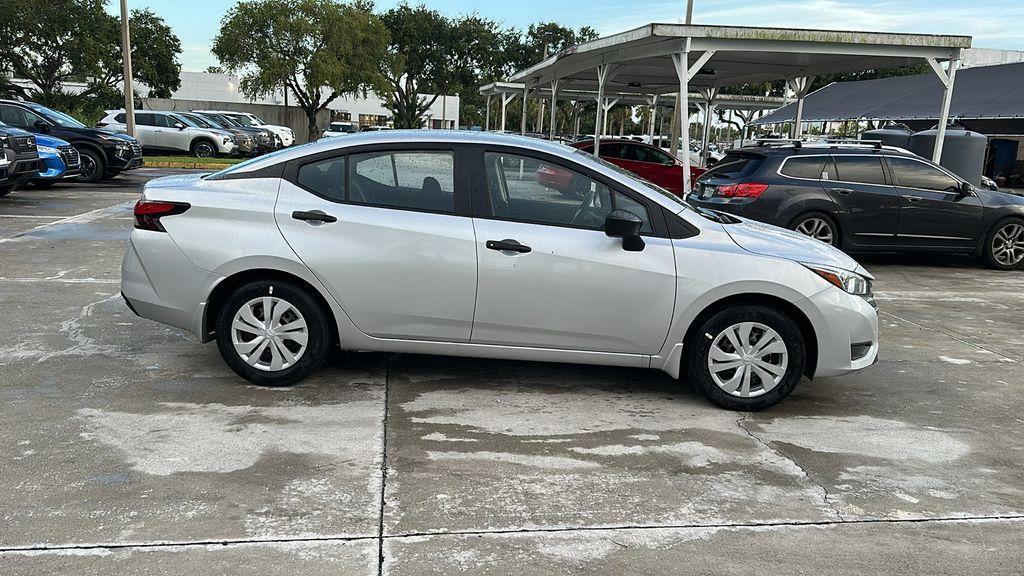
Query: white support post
{"points": [[653, 102], [505, 99], [608, 105], [487, 115], [522, 120], [710, 94], [949, 79], [681, 63], [800, 87], [602, 78], [554, 107]]}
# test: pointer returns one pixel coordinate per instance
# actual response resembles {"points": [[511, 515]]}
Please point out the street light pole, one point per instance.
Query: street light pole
{"points": [[126, 56]]}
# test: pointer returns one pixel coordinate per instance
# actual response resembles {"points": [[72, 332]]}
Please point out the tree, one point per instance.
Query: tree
{"points": [[57, 42], [316, 49]]}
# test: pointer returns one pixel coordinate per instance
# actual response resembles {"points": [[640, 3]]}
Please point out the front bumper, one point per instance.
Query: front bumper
{"points": [[124, 159], [846, 329]]}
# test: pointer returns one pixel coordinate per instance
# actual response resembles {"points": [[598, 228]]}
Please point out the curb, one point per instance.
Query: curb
{"points": [[185, 165]]}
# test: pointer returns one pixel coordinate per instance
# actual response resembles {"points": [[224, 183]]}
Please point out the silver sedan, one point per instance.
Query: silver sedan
{"points": [[472, 244]]}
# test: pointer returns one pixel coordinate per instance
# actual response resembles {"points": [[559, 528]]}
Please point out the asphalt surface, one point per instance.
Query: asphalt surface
{"points": [[128, 448]]}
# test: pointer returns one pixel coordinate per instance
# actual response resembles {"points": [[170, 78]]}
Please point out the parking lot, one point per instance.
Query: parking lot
{"points": [[128, 448]]}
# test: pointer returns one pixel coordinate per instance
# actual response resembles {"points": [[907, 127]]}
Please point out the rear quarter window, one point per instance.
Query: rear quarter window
{"points": [[808, 167], [735, 166]]}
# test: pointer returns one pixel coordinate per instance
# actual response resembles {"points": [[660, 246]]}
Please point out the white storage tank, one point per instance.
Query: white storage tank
{"points": [[963, 151]]}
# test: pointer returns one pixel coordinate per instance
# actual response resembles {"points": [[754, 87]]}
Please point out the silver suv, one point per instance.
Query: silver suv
{"points": [[165, 131]]}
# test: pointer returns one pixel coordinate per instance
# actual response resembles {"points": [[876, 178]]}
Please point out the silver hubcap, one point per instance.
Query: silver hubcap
{"points": [[816, 228], [269, 334], [1008, 245], [748, 359]]}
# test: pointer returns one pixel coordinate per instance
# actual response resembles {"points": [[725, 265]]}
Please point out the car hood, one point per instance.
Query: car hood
{"points": [[768, 240], [44, 140]]}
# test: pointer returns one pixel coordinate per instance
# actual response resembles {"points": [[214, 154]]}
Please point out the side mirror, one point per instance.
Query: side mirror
{"points": [[626, 225], [179, 125], [41, 125], [966, 189]]}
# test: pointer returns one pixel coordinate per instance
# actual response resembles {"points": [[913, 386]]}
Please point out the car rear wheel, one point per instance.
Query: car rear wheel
{"points": [[818, 226], [1004, 246], [92, 167], [273, 333], [747, 357]]}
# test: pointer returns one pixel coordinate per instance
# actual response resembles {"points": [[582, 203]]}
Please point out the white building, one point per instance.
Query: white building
{"points": [[444, 113]]}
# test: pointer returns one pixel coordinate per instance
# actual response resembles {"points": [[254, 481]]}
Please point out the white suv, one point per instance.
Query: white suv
{"points": [[335, 129], [165, 131], [285, 135]]}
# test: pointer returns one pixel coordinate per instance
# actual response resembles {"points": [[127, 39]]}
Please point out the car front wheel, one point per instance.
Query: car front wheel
{"points": [[92, 166], [818, 226], [747, 357], [1004, 246], [273, 333]]}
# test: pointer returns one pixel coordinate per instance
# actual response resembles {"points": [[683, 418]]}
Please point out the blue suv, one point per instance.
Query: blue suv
{"points": [[58, 160]]}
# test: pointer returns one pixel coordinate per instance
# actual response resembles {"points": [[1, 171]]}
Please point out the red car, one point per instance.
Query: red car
{"points": [[648, 162]]}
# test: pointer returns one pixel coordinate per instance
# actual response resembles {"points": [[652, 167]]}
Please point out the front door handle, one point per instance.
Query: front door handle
{"points": [[843, 191], [914, 199], [508, 246], [314, 216]]}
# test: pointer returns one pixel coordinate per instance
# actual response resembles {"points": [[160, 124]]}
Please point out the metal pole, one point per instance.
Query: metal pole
{"points": [[522, 121], [504, 109], [947, 99], [126, 56], [682, 65], [487, 116], [654, 113], [602, 76], [554, 107]]}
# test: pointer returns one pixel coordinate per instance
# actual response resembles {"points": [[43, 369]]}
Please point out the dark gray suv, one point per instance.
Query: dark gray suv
{"points": [[863, 197]]}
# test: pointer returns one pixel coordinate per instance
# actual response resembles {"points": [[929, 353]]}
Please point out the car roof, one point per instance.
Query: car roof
{"points": [[819, 148]]}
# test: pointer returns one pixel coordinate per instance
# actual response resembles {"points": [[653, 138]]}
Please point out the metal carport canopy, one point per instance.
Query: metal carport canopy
{"points": [[674, 58]]}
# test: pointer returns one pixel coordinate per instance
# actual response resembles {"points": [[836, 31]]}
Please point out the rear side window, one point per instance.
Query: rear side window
{"points": [[809, 167], [734, 166], [409, 180], [914, 174], [859, 169], [325, 178], [120, 118]]}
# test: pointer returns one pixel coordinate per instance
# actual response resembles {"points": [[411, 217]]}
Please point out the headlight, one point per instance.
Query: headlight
{"points": [[849, 282], [46, 149], [229, 139]]}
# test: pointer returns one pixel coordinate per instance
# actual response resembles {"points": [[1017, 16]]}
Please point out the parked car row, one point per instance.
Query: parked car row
{"points": [[201, 133]]}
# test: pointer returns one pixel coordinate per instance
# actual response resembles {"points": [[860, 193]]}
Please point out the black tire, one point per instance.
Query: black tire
{"points": [[203, 149], [93, 167], [319, 339], [697, 353], [996, 238], [828, 227], [43, 183]]}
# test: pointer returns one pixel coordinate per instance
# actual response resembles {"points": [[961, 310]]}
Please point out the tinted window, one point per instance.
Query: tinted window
{"points": [[121, 118], [613, 150], [804, 167], [412, 180], [859, 169], [530, 190], [914, 174], [145, 120], [162, 120], [18, 117], [325, 178], [734, 166], [647, 154]]}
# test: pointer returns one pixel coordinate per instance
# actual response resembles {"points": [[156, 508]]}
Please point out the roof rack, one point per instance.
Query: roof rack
{"points": [[798, 143]]}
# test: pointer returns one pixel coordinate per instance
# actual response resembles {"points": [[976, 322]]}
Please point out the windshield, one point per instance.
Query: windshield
{"points": [[59, 118], [199, 121], [241, 119], [649, 185], [256, 120]]}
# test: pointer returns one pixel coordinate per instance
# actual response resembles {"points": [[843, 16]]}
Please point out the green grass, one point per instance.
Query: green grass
{"points": [[191, 160]]}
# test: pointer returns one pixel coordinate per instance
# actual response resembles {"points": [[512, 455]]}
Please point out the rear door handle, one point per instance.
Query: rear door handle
{"points": [[843, 191], [914, 199], [508, 246], [314, 216]]}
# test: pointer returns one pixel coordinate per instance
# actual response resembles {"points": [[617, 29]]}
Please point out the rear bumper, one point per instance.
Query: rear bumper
{"points": [[846, 329], [160, 284]]}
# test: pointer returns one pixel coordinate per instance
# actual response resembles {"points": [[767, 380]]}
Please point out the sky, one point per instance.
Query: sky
{"points": [[992, 23]]}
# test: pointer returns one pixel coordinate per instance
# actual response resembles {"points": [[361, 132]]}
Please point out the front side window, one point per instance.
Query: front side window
{"points": [[859, 169], [648, 154], [809, 167], [18, 117], [530, 190], [145, 120], [914, 174], [410, 180], [325, 178]]}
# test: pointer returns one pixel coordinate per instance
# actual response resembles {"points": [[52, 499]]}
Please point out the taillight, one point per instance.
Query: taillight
{"points": [[744, 190], [149, 212]]}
